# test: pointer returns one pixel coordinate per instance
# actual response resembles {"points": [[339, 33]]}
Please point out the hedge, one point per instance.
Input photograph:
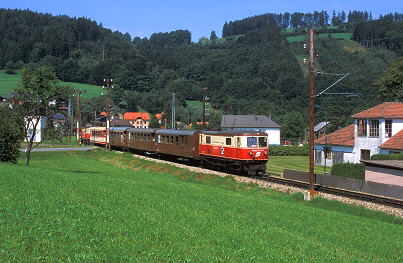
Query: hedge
{"points": [[387, 157], [289, 150], [349, 170]]}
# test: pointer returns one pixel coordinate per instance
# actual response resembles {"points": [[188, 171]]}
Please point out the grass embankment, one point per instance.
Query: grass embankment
{"points": [[110, 207]]}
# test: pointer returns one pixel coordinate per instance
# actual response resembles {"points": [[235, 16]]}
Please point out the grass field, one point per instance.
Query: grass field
{"points": [[9, 81], [111, 207], [345, 36]]}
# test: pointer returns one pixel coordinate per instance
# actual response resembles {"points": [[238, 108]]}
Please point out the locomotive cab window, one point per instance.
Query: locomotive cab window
{"points": [[252, 141], [262, 141]]}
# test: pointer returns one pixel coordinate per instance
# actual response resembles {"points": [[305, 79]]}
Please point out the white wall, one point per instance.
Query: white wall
{"points": [[40, 130]]}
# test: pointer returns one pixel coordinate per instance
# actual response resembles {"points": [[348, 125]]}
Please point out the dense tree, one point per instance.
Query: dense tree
{"points": [[213, 35], [391, 82], [11, 134]]}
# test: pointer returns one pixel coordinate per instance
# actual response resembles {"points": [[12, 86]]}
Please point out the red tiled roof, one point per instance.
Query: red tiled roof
{"points": [[158, 115], [136, 115], [343, 137], [396, 142], [387, 110]]}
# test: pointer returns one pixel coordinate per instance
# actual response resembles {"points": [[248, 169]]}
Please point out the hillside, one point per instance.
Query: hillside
{"points": [[255, 72]]}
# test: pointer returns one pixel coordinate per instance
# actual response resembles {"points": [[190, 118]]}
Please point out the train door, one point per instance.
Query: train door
{"points": [[238, 147]]}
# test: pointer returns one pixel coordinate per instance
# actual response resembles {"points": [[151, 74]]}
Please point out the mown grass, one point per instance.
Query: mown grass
{"points": [[111, 207], [277, 164], [341, 36], [9, 81]]}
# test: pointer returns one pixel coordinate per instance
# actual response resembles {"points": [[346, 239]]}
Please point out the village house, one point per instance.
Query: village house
{"points": [[253, 122], [137, 119], [378, 130]]}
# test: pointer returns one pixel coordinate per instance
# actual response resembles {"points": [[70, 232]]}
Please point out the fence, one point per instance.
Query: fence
{"points": [[389, 190]]}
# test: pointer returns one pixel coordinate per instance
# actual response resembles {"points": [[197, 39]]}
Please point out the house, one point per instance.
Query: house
{"points": [[377, 130], [137, 119], [253, 122], [39, 134]]}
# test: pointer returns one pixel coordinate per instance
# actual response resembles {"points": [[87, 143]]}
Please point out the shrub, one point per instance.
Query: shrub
{"points": [[11, 130], [290, 150], [387, 157], [349, 170]]}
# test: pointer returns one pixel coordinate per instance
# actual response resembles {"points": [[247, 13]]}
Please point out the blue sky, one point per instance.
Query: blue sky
{"points": [[145, 17]]}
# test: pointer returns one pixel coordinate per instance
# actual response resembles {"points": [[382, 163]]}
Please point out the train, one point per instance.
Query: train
{"points": [[244, 152]]}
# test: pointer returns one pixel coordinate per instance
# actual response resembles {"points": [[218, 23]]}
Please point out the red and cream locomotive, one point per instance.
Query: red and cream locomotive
{"points": [[241, 151]]}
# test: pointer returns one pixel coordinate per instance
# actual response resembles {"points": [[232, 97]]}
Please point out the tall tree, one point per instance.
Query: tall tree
{"points": [[213, 35], [391, 82], [35, 93]]}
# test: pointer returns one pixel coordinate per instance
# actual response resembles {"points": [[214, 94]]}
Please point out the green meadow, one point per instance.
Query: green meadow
{"points": [[9, 81], [111, 207]]}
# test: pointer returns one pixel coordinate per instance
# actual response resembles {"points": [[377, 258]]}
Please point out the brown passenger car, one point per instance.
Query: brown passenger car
{"points": [[183, 143]]}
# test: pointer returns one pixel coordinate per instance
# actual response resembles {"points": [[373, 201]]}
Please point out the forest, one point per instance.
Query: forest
{"points": [[254, 68]]}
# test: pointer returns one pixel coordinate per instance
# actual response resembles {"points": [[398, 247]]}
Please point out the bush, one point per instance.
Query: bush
{"points": [[387, 157], [349, 170], [11, 131], [290, 150]]}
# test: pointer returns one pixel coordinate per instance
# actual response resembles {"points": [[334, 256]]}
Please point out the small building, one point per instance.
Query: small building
{"points": [[39, 135], [253, 122], [137, 119]]}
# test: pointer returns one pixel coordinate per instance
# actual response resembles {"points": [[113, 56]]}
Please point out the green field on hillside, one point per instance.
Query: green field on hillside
{"points": [[111, 207], [341, 36], [9, 81]]}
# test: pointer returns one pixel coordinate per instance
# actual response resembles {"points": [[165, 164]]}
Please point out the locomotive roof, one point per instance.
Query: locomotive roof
{"points": [[235, 132], [176, 132]]}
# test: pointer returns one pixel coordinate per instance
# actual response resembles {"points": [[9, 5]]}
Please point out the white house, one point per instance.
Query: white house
{"points": [[375, 130], [40, 130], [253, 122]]}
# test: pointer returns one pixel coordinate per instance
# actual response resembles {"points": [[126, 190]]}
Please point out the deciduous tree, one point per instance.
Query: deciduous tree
{"points": [[35, 93]]}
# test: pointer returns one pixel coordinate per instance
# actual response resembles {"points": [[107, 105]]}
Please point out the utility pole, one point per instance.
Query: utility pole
{"points": [[311, 191], [173, 111], [108, 83], [78, 116]]}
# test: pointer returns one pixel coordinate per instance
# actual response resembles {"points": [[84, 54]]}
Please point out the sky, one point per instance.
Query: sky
{"points": [[142, 18]]}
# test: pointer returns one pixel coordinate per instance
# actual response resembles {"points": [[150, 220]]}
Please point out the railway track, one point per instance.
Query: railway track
{"points": [[382, 200]]}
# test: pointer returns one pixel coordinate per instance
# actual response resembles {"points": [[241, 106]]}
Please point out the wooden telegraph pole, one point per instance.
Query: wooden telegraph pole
{"points": [[108, 83], [311, 192]]}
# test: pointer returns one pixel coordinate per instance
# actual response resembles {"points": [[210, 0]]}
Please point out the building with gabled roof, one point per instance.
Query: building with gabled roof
{"points": [[253, 122], [137, 119], [378, 130]]}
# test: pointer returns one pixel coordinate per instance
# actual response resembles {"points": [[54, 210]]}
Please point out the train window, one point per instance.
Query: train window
{"points": [[208, 139], [262, 141], [252, 141], [176, 140], [238, 141], [159, 139], [171, 139], [185, 141], [227, 141]]}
